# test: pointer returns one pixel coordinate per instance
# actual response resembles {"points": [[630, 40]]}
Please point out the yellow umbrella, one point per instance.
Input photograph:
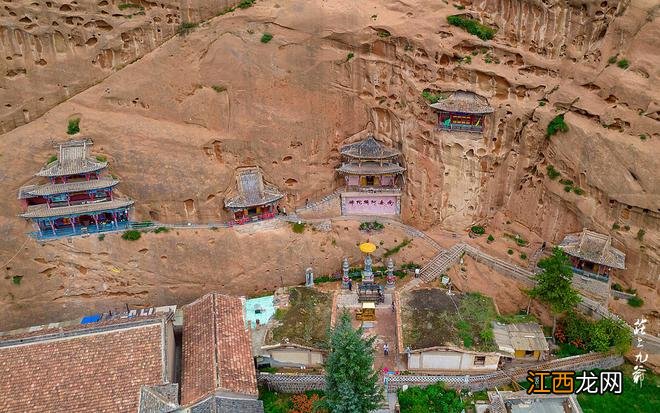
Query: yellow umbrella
{"points": [[367, 247]]}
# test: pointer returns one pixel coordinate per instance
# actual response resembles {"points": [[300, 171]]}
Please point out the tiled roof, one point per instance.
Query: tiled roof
{"points": [[42, 210], [228, 404], [374, 168], [97, 367], [252, 191], [72, 159], [52, 189], [217, 351], [593, 247], [464, 102], [160, 398], [519, 336], [369, 148]]}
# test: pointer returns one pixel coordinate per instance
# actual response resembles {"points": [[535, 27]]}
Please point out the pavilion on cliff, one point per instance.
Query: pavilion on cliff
{"points": [[373, 176], [77, 199], [252, 199], [463, 112], [592, 254]]}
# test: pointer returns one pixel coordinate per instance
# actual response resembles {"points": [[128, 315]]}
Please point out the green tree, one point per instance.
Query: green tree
{"points": [[554, 286], [351, 383]]}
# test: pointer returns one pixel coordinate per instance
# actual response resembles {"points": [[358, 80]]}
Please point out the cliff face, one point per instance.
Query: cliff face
{"points": [[176, 123], [52, 50]]}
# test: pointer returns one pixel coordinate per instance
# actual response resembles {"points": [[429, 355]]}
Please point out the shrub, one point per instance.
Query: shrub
{"points": [[640, 234], [567, 188], [635, 301], [125, 6], [131, 235], [472, 26], [490, 238], [161, 229], [566, 182], [16, 279], [623, 63], [626, 227], [266, 37], [509, 251], [298, 227], [73, 126], [552, 172], [396, 249], [612, 59], [186, 27], [245, 4], [101, 237], [598, 335], [541, 102], [101, 158], [615, 226], [523, 256], [643, 136], [617, 287], [459, 6], [556, 125], [51, 159], [475, 52], [219, 88], [368, 226], [383, 33], [433, 398], [478, 229], [279, 313], [578, 191], [349, 56], [431, 97]]}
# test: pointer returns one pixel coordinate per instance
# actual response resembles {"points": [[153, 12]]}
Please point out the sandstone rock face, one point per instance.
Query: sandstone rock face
{"points": [[52, 50], [176, 123]]}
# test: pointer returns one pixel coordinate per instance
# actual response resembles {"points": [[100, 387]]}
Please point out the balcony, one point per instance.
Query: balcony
{"points": [[456, 127], [591, 275], [48, 234]]}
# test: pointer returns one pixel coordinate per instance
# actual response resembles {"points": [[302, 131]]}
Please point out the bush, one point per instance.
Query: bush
{"points": [[566, 182], [101, 237], [279, 314], [472, 26], [73, 126], [615, 226], [101, 158], [617, 287], [431, 399], [219, 88], [523, 256], [598, 335], [125, 6], [635, 301], [161, 229], [552, 172], [541, 102], [349, 56], [623, 63], [369, 226], [478, 229], [640, 234], [509, 251], [578, 191], [612, 59], [490, 238], [298, 227], [186, 27], [567, 188], [431, 97], [51, 159], [266, 37], [383, 33], [245, 4], [556, 125], [131, 235], [396, 249], [16, 279]]}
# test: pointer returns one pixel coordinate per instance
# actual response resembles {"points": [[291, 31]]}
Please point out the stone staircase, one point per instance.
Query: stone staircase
{"points": [[319, 204], [441, 262]]}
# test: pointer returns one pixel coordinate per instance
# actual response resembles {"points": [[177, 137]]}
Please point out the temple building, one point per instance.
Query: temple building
{"points": [[77, 199], [252, 199], [592, 254], [373, 176], [463, 112]]}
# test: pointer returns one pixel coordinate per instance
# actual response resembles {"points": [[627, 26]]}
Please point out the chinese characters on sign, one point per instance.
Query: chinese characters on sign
{"points": [[640, 358], [566, 382]]}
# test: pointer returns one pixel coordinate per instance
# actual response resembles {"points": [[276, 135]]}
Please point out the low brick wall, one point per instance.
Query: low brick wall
{"points": [[291, 383]]}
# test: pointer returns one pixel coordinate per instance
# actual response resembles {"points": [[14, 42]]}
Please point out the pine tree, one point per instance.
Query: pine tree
{"points": [[351, 383], [554, 285]]}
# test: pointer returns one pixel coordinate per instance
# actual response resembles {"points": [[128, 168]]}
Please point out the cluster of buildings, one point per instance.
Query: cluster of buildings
{"points": [[197, 359]]}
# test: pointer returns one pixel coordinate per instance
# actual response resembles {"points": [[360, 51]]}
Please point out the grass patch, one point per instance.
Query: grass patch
{"points": [[635, 301], [432, 97], [578, 191], [552, 172], [383, 33], [634, 398], [472, 26], [568, 350], [478, 229], [307, 319], [298, 227], [517, 318], [186, 27], [73, 126], [394, 250], [430, 399], [556, 125], [131, 235], [612, 59], [371, 226], [623, 63], [219, 88], [51, 159], [101, 158], [125, 6], [520, 241], [161, 229], [266, 37], [16, 279]]}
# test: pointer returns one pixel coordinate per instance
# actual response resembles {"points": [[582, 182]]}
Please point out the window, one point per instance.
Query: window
{"points": [[529, 353], [479, 360], [370, 180]]}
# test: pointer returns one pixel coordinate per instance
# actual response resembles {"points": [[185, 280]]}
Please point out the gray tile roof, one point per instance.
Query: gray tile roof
{"points": [[159, 398], [251, 190], [52, 189], [72, 159], [519, 336], [593, 247], [42, 211], [369, 148], [464, 102], [370, 168]]}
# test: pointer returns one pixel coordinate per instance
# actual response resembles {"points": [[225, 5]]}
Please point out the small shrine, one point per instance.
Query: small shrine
{"points": [[592, 254], [463, 112], [252, 198], [368, 290], [77, 199], [373, 177]]}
